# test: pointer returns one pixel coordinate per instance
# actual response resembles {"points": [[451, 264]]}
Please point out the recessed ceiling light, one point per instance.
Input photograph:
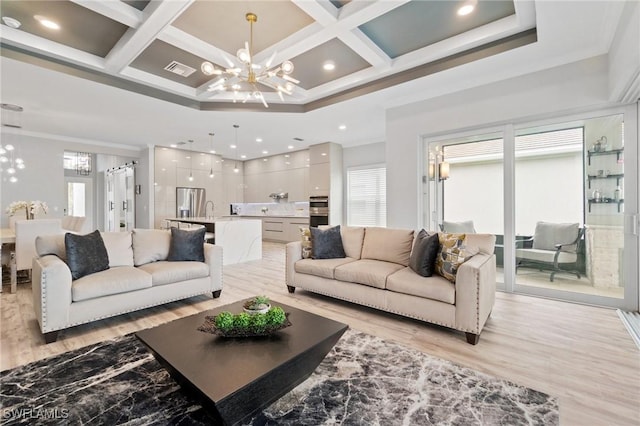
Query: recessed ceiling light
{"points": [[290, 147], [213, 151], [265, 152], [173, 145], [342, 127], [10, 22], [467, 7], [243, 156], [329, 66], [47, 22], [232, 146], [258, 140]]}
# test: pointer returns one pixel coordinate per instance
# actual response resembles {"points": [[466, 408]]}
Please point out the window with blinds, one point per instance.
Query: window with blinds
{"points": [[367, 196]]}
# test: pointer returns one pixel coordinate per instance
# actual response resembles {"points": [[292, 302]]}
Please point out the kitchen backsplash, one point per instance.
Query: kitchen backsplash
{"points": [[300, 208]]}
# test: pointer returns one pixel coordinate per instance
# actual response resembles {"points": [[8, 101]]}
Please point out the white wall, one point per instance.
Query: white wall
{"points": [[580, 85], [624, 56], [43, 177]]}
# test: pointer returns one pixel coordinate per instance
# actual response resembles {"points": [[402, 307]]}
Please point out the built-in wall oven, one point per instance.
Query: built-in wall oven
{"points": [[318, 211]]}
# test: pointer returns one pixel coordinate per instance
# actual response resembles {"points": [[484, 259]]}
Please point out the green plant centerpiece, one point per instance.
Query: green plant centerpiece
{"points": [[257, 305], [259, 322]]}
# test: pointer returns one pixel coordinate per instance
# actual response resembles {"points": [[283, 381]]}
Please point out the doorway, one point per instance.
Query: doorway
{"points": [[79, 199]]}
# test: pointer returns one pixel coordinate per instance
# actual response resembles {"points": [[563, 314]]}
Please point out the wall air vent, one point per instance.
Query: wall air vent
{"points": [[180, 69]]}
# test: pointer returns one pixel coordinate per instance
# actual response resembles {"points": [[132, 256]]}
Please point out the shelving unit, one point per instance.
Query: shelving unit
{"points": [[617, 152], [617, 177], [605, 201]]}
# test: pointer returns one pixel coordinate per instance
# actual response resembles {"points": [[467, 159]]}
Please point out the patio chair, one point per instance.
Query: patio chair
{"points": [[466, 227], [554, 246]]}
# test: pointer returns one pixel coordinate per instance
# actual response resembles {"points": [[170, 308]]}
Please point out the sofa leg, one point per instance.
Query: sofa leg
{"points": [[472, 338], [291, 289], [50, 337], [216, 294]]}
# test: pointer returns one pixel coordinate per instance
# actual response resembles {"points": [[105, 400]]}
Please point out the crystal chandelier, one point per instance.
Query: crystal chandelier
{"points": [[251, 74]]}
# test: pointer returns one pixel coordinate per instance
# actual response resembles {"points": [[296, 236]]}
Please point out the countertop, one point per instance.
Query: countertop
{"points": [[268, 215], [202, 219]]}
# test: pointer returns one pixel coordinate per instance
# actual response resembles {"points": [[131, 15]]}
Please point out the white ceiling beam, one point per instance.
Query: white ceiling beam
{"points": [[116, 10], [322, 11], [50, 48], [367, 49], [158, 15], [195, 46]]}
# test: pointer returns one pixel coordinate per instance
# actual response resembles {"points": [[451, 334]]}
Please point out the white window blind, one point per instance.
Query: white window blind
{"points": [[367, 196]]}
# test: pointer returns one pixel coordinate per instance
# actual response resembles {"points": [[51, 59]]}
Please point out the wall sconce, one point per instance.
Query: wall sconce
{"points": [[443, 170], [432, 170]]}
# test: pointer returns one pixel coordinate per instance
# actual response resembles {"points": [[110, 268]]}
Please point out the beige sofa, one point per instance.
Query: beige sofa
{"points": [[139, 276], [375, 273]]}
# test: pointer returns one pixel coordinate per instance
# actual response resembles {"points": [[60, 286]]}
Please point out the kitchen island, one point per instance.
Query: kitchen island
{"points": [[240, 239]]}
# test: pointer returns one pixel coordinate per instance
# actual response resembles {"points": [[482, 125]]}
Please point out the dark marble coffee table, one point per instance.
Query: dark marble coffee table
{"points": [[236, 378]]}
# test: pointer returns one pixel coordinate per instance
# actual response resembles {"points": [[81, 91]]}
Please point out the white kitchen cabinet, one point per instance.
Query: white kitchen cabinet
{"points": [[319, 179], [292, 230]]}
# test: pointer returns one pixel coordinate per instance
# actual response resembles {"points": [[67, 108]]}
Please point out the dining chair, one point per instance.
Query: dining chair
{"points": [[26, 233]]}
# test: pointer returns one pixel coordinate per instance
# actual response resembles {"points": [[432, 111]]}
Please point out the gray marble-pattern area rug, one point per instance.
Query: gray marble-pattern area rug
{"points": [[363, 381]]}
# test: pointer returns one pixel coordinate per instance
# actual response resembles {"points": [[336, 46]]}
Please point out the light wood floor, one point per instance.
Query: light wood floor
{"points": [[581, 354]]}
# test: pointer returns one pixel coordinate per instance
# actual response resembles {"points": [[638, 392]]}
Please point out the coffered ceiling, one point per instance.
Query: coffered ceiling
{"points": [[366, 41]]}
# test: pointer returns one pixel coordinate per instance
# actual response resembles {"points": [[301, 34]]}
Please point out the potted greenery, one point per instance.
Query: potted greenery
{"points": [[257, 305], [245, 325]]}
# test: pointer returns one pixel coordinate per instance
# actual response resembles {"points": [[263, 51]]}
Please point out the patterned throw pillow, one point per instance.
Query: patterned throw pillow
{"points": [[305, 236], [453, 253]]}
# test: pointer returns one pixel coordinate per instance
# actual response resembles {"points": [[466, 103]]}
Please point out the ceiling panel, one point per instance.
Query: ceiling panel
{"points": [[160, 54], [339, 3], [223, 23], [420, 23], [308, 66], [81, 28]]}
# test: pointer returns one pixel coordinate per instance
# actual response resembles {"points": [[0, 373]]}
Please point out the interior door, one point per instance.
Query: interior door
{"points": [[79, 196]]}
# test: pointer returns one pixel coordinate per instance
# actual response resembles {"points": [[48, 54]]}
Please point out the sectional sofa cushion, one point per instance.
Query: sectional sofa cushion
{"points": [[150, 245], [164, 272], [186, 245], [112, 281], [369, 272], [326, 243], [389, 245], [423, 256], [119, 248], [86, 254], [435, 287], [321, 267]]}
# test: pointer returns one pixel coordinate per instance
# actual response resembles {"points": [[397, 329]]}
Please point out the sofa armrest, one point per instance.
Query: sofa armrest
{"points": [[475, 292], [293, 254], [213, 258], [51, 292]]}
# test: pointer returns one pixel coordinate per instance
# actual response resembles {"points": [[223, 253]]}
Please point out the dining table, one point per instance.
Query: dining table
{"points": [[7, 242]]}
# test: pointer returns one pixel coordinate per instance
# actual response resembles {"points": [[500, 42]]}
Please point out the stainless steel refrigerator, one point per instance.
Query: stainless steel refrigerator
{"points": [[190, 202]]}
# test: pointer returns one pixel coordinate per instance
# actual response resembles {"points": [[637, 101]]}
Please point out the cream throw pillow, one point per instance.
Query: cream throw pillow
{"points": [[119, 248], [390, 245]]}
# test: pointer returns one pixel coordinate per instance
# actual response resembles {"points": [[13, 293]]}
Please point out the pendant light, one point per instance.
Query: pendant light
{"points": [[235, 164], [191, 160], [211, 157]]}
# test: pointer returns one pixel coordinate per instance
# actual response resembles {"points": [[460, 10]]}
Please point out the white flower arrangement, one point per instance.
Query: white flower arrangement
{"points": [[31, 208]]}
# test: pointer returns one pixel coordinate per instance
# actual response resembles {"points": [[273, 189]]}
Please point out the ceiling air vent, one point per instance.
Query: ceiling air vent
{"points": [[180, 69], [298, 139]]}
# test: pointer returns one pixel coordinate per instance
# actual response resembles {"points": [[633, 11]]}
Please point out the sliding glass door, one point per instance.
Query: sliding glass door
{"points": [[557, 194]]}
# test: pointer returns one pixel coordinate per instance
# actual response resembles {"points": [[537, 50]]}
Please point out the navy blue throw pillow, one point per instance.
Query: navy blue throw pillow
{"points": [[86, 254], [186, 245], [327, 243], [424, 253]]}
